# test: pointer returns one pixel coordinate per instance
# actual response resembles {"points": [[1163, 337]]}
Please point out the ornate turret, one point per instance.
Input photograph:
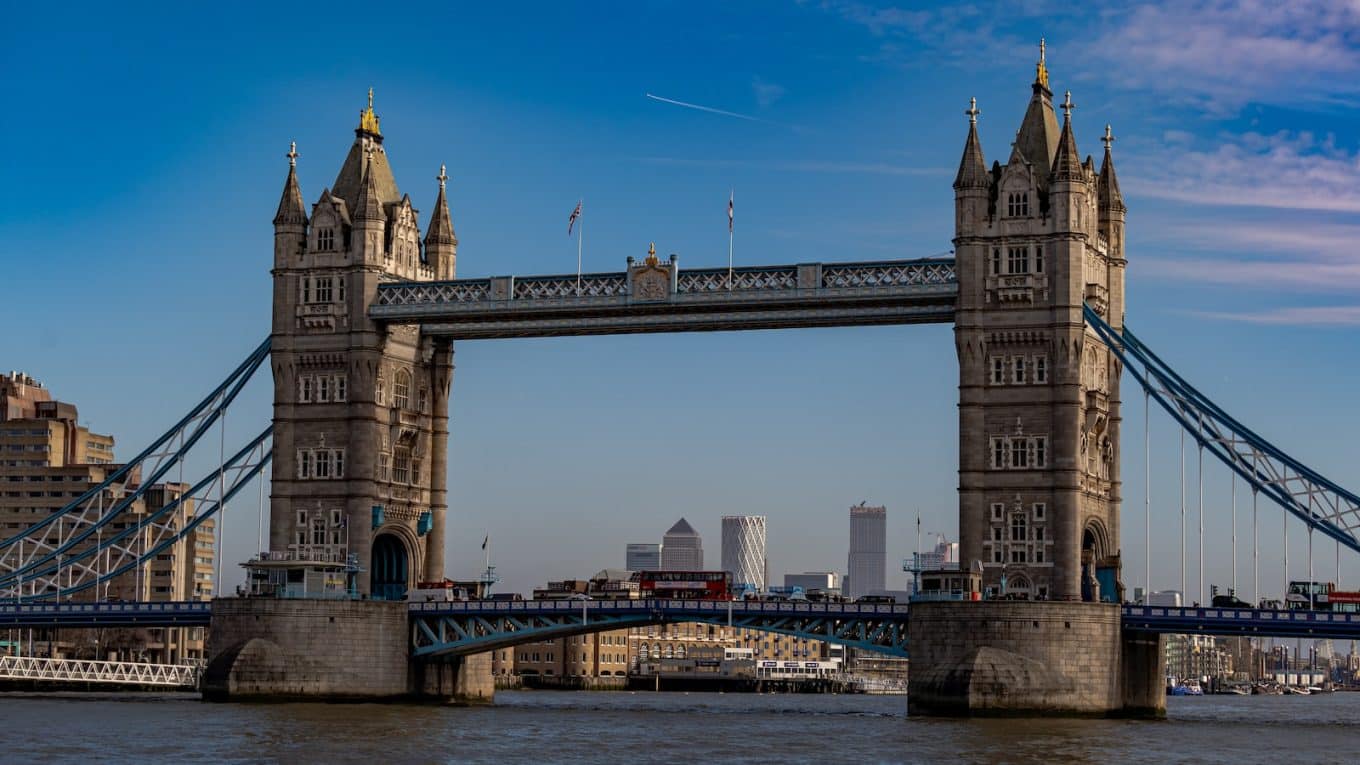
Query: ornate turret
{"points": [[290, 222], [291, 209], [972, 167], [367, 154], [441, 244], [1111, 200], [369, 205], [1037, 139], [1066, 161]]}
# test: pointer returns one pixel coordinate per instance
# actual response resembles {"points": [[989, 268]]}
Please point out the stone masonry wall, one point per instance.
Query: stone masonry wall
{"points": [[312, 649], [1012, 657]]}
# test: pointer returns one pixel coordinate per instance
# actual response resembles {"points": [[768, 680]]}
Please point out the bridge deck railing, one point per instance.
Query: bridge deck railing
{"points": [[652, 604]]}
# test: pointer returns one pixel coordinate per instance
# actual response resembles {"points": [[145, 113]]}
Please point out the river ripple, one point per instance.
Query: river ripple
{"points": [[577, 727]]}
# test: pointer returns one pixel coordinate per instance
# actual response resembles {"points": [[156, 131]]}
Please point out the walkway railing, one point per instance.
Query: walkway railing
{"points": [[109, 672]]}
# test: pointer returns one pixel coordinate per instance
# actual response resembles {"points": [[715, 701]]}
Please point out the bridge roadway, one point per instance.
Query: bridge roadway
{"points": [[458, 628], [657, 296]]}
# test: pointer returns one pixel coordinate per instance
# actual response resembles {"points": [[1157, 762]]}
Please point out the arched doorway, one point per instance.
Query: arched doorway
{"points": [[388, 570], [1092, 553]]}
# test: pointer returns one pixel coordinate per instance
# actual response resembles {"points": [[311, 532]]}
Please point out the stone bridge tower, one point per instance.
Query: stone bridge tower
{"points": [[360, 409], [1035, 238]]}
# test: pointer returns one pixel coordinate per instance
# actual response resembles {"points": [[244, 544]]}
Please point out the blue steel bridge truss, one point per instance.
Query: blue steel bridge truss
{"points": [[1322, 504], [454, 629]]}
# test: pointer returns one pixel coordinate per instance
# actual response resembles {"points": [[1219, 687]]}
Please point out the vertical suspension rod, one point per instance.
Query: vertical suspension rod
{"points": [[1200, 475], [1147, 499], [1255, 545], [1312, 596], [1182, 515], [1233, 477], [221, 506], [1285, 592]]}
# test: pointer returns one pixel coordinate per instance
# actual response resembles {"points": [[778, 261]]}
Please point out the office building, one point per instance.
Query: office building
{"points": [[819, 581], [743, 551], [643, 556], [682, 549], [867, 569]]}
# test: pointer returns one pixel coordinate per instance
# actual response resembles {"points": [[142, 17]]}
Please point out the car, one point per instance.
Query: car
{"points": [[579, 596], [1229, 601]]}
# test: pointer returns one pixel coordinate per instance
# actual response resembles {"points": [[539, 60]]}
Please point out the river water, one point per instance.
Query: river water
{"points": [[584, 727]]}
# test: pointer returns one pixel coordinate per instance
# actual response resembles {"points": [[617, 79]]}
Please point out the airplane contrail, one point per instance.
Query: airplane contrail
{"points": [[708, 109]]}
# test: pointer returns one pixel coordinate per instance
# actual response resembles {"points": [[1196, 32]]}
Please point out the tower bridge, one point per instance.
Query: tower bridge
{"points": [[366, 313]]}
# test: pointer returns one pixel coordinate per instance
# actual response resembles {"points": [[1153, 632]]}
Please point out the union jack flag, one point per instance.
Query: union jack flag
{"points": [[571, 221], [732, 197]]}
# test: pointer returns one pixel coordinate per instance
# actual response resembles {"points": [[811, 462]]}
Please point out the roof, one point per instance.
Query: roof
{"points": [[351, 178], [682, 528]]}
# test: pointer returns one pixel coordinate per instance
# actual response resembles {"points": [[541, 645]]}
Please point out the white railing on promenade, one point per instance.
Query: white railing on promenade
{"points": [[112, 672]]}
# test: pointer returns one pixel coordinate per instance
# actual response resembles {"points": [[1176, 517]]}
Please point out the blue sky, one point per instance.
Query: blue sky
{"points": [[146, 159]]}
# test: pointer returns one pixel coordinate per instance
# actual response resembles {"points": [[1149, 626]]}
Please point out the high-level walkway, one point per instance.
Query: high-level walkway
{"points": [[658, 296]]}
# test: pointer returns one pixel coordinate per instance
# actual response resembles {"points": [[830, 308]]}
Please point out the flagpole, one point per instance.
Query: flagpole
{"points": [[580, 237], [731, 200]]}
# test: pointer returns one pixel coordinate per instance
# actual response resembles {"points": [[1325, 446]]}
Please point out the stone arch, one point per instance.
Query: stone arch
{"points": [[394, 562], [1096, 538], [1095, 545]]}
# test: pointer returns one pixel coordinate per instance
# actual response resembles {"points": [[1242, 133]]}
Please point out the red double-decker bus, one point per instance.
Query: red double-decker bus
{"points": [[685, 585]]}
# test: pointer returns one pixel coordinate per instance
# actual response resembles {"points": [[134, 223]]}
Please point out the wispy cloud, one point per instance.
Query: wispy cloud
{"points": [[1224, 54], [1276, 274], [709, 109], [962, 33], [766, 92], [1284, 170], [1316, 316], [804, 166], [1217, 54], [1292, 251]]}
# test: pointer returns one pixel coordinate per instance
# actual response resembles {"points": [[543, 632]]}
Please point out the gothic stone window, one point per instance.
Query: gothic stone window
{"points": [[1017, 204], [325, 239], [401, 392], [1019, 452], [320, 463], [998, 370], [1017, 260]]}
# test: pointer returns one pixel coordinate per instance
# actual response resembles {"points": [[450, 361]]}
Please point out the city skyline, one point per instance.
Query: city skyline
{"points": [[1228, 254]]}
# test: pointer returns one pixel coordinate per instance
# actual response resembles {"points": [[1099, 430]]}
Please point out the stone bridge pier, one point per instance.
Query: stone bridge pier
{"points": [[1010, 658], [264, 649]]}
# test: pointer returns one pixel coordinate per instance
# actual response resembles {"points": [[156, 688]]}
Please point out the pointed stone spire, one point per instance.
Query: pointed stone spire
{"points": [[291, 209], [440, 230], [369, 205], [1037, 138], [1108, 185], [1067, 163], [972, 167]]}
